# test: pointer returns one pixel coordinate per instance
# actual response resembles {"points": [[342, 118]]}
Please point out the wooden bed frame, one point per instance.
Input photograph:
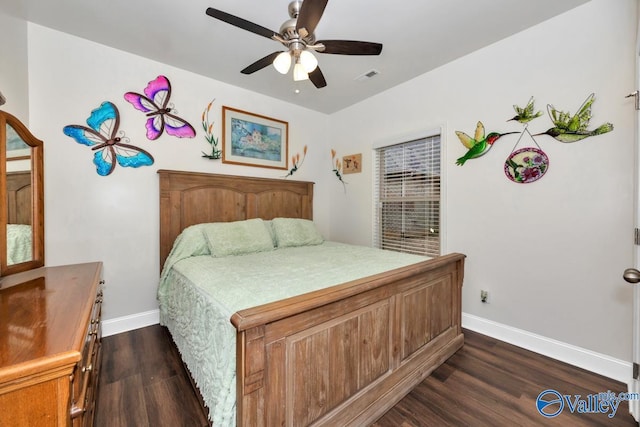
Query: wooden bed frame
{"points": [[338, 356]]}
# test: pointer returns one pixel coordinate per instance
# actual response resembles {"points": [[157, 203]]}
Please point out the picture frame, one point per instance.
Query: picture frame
{"points": [[352, 163], [254, 140]]}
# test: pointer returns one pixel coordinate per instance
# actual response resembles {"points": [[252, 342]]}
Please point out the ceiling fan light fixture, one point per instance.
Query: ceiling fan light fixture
{"points": [[282, 63], [298, 38], [308, 60], [299, 73]]}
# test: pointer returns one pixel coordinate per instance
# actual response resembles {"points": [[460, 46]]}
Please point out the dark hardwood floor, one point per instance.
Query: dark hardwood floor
{"points": [[486, 383], [143, 383]]}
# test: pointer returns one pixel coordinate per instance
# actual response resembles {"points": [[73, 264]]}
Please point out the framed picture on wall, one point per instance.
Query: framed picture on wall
{"points": [[352, 163], [254, 140]]}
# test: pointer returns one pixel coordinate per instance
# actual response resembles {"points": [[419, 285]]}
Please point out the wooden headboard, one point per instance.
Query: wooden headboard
{"points": [[19, 197], [188, 198]]}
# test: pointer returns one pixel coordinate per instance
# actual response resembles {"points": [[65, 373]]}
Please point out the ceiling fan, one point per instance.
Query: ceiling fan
{"points": [[297, 35]]}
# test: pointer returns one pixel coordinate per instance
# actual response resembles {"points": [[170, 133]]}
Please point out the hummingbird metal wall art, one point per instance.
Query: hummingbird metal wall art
{"points": [[531, 163], [568, 128], [526, 114], [479, 145], [528, 164]]}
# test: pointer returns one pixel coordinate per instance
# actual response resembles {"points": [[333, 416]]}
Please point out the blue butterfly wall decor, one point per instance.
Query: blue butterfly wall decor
{"points": [[103, 137], [155, 104]]}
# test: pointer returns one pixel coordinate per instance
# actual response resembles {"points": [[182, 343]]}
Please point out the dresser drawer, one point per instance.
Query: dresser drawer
{"points": [[85, 377], [92, 388]]}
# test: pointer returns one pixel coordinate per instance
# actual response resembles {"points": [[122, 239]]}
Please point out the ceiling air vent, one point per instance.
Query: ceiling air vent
{"points": [[366, 76]]}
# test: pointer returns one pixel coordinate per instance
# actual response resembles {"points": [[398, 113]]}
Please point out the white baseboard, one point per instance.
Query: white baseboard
{"points": [[129, 323], [602, 364]]}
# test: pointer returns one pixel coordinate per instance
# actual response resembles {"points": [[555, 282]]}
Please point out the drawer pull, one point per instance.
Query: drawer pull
{"points": [[76, 411], [87, 368]]}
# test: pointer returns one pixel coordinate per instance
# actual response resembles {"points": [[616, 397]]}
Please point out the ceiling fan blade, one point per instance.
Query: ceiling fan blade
{"points": [[350, 47], [240, 23], [310, 13], [260, 63], [317, 78]]}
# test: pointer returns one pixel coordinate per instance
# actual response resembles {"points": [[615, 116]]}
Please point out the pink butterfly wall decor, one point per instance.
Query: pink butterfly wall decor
{"points": [[155, 104]]}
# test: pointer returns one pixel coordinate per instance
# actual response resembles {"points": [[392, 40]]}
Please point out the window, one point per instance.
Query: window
{"points": [[407, 197]]}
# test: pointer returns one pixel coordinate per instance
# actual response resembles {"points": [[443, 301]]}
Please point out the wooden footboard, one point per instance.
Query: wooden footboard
{"points": [[345, 355]]}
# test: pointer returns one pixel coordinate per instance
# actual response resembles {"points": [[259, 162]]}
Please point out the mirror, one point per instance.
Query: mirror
{"points": [[22, 187]]}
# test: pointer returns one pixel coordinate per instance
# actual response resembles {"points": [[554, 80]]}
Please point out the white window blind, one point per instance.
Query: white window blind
{"points": [[407, 191]]}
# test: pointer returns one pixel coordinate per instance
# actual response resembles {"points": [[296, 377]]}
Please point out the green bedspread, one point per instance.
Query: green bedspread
{"points": [[198, 294]]}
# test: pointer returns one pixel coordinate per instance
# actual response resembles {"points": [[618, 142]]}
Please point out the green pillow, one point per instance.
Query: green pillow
{"points": [[271, 232], [295, 232], [238, 237]]}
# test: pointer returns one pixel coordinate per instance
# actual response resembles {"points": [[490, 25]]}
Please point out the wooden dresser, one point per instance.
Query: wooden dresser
{"points": [[50, 345]]}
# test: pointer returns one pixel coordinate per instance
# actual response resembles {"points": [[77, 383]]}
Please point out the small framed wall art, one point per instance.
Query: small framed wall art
{"points": [[254, 140], [352, 163]]}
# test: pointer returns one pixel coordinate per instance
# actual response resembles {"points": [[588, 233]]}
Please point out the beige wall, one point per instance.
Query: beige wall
{"points": [[14, 74], [115, 218], [551, 253]]}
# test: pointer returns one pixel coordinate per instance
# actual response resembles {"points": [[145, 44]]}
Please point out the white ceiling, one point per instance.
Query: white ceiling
{"points": [[418, 36]]}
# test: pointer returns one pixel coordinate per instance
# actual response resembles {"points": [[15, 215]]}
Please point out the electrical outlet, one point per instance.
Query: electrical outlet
{"points": [[484, 296]]}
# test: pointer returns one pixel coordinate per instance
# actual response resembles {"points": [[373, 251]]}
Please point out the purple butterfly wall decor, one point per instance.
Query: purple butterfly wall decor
{"points": [[104, 137], [155, 104]]}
